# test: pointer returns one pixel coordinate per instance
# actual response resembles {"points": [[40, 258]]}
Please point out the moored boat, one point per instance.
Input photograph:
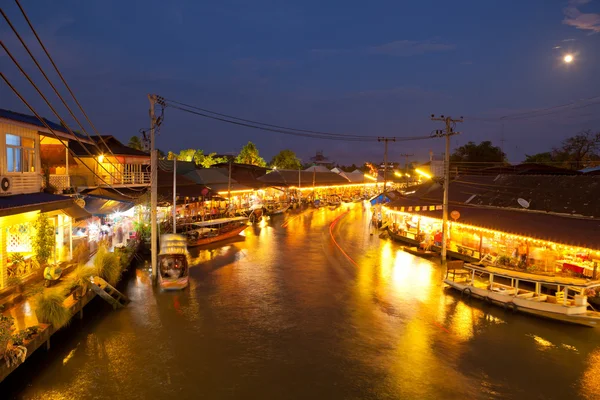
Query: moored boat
{"points": [[207, 232], [419, 252], [173, 262], [557, 298], [276, 209]]}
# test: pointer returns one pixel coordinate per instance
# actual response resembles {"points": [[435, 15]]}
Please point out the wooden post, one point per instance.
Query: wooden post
{"points": [[480, 245]]}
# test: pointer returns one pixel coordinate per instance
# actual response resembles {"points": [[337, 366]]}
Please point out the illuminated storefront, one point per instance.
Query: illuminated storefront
{"points": [[534, 242]]}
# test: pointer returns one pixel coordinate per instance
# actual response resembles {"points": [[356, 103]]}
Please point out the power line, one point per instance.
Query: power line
{"points": [[297, 133], [63, 79], [277, 128], [55, 135], [536, 113], [50, 105], [53, 87]]}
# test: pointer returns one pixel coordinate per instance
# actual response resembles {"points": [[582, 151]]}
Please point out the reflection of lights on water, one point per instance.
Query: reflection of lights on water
{"points": [[569, 347], [69, 356], [543, 343]]}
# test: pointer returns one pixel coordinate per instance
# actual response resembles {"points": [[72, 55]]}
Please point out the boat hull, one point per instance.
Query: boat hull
{"points": [[227, 235], [421, 253], [173, 284], [557, 312]]}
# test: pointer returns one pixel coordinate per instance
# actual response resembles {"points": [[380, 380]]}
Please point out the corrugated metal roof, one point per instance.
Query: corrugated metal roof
{"points": [[21, 203], [33, 120], [555, 228]]}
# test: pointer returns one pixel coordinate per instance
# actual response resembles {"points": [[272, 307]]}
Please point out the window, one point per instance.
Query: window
{"points": [[20, 154]]}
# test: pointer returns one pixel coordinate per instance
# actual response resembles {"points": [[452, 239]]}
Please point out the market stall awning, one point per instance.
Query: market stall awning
{"points": [[562, 229], [101, 206], [43, 202], [76, 212]]}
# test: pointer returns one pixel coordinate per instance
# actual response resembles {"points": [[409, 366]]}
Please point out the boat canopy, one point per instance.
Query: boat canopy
{"points": [[173, 244], [527, 277], [218, 221]]}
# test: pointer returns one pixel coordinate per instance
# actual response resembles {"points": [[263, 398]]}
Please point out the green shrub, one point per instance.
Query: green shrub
{"points": [[50, 308], [107, 265]]}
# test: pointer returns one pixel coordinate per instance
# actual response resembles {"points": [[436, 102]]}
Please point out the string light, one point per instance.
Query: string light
{"points": [[574, 249]]}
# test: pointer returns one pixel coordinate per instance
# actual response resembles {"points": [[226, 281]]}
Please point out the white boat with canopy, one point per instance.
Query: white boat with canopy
{"points": [[214, 230], [173, 262], [559, 298]]}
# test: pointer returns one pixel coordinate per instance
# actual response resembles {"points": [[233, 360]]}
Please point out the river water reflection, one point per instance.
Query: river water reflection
{"points": [[284, 313]]}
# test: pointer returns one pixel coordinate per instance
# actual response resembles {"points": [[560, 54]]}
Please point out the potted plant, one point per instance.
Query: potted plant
{"points": [[6, 328], [107, 265], [44, 240], [81, 280], [49, 308]]}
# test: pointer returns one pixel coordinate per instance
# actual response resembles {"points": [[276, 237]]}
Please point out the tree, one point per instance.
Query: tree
{"points": [[249, 155], [135, 143], [286, 159], [198, 157], [576, 152], [540, 158], [580, 150], [481, 155], [44, 239]]}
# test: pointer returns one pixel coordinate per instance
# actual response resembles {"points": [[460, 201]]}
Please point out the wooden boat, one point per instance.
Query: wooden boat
{"points": [[419, 252], [543, 296], [207, 232], [276, 209], [173, 262]]}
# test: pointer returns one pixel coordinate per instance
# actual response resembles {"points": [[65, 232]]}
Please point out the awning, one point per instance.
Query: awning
{"points": [[43, 202], [99, 206], [76, 212]]}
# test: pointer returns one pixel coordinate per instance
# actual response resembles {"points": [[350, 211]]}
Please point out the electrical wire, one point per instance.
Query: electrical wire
{"points": [[265, 124], [535, 113], [52, 108], [63, 79], [93, 142], [16, 92], [298, 133]]}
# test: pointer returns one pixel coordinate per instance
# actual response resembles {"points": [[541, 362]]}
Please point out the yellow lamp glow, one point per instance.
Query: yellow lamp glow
{"points": [[101, 158], [423, 174], [370, 177]]}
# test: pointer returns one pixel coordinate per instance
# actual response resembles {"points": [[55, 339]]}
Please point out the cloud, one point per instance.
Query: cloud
{"points": [[405, 48], [397, 48], [580, 20], [411, 92]]}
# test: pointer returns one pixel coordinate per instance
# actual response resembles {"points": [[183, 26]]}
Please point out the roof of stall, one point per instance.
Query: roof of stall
{"points": [[291, 177], [583, 232]]}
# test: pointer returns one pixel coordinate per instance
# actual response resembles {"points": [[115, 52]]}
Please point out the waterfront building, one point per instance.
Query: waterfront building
{"points": [[22, 200], [543, 223]]}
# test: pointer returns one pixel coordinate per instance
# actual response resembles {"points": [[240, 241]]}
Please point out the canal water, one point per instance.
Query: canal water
{"points": [[287, 314]]}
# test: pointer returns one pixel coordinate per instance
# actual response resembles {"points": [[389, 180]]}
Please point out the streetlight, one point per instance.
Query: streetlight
{"points": [[568, 58]]}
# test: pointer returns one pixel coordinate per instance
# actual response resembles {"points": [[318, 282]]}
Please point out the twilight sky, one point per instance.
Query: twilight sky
{"points": [[374, 68]]}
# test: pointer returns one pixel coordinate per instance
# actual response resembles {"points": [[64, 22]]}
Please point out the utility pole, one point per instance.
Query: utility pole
{"points": [[447, 133], [406, 165], [175, 194], [385, 140], [153, 187]]}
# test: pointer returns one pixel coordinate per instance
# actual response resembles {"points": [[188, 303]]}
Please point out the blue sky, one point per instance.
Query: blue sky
{"points": [[375, 68]]}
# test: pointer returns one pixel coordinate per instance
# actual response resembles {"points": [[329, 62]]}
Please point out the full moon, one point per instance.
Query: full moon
{"points": [[568, 58]]}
